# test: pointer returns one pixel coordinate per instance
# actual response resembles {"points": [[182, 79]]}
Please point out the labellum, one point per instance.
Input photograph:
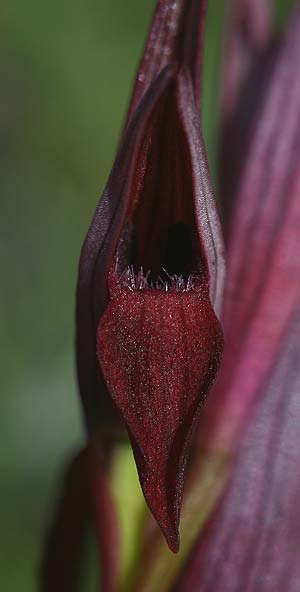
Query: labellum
{"points": [[151, 270]]}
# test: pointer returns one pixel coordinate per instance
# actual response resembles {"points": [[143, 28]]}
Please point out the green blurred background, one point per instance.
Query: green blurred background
{"points": [[66, 71]]}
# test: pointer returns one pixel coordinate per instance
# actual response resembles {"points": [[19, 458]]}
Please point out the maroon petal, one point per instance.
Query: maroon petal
{"points": [[176, 36], [159, 352], [206, 213]]}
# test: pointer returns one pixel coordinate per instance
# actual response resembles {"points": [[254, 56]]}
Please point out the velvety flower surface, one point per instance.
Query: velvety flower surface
{"points": [[159, 351], [151, 271]]}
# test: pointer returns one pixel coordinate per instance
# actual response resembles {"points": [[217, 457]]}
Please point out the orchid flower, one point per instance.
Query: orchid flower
{"points": [[151, 269], [150, 305]]}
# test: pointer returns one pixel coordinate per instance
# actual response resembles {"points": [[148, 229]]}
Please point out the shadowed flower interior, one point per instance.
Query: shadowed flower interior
{"points": [[160, 236]]}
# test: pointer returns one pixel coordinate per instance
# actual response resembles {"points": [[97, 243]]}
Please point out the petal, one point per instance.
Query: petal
{"points": [[159, 352], [207, 218], [176, 36]]}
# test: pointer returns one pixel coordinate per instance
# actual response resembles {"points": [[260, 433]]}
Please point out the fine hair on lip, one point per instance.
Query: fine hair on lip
{"points": [[178, 270], [165, 282]]}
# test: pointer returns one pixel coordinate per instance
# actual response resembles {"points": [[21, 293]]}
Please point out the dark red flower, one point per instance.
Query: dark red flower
{"points": [[151, 270], [149, 297]]}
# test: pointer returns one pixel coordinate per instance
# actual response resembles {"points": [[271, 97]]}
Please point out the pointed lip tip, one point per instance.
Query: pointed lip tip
{"points": [[170, 531], [171, 535], [174, 545]]}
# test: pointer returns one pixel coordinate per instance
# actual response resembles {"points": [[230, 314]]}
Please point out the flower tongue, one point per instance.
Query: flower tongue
{"points": [[159, 350]]}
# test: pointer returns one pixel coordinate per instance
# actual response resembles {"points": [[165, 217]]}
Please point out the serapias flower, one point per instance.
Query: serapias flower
{"points": [[149, 340], [151, 270]]}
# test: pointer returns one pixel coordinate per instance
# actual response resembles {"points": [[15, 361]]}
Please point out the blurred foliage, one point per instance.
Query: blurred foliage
{"points": [[66, 71]]}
